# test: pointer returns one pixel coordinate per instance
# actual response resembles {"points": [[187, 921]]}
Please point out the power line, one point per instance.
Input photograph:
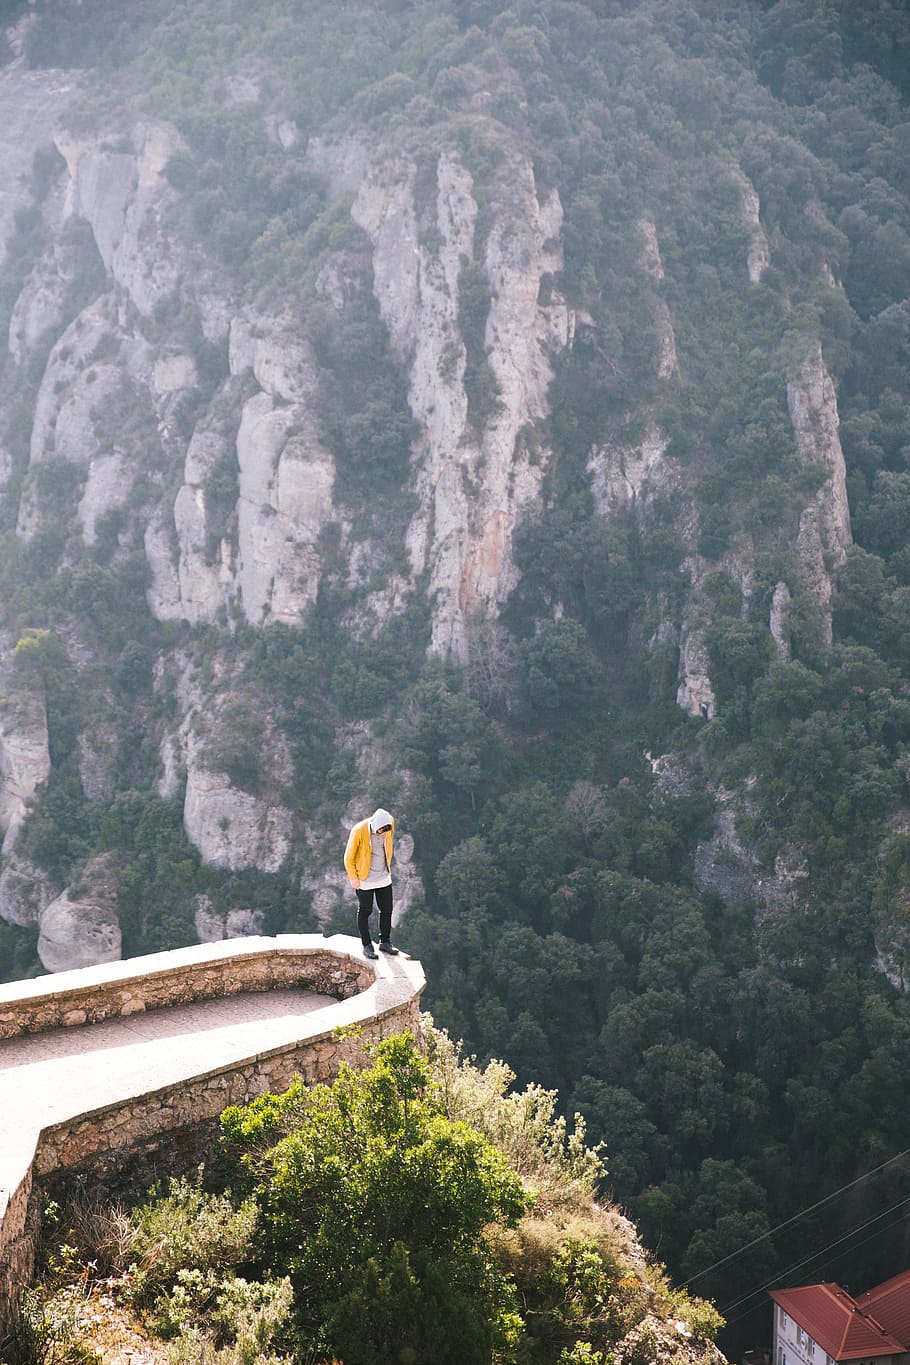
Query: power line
{"points": [[796, 1217], [731, 1322], [845, 1237], [798, 1265]]}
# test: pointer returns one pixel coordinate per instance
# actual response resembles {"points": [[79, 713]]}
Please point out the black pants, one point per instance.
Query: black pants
{"points": [[383, 896]]}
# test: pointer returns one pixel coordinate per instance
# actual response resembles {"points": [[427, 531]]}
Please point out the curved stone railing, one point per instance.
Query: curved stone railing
{"points": [[182, 976], [369, 1001]]}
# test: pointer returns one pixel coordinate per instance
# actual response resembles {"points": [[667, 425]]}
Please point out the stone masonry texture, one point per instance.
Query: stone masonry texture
{"points": [[330, 1005]]}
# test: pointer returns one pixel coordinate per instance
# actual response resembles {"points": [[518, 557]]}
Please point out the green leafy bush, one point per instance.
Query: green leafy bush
{"points": [[184, 1226], [374, 1196]]}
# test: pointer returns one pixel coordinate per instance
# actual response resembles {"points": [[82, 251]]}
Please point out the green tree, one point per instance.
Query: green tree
{"points": [[468, 876], [740, 653], [367, 1189], [38, 656]]}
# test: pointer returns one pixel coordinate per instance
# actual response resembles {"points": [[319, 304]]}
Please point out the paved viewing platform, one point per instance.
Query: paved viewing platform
{"points": [[50, 1078], [95, 1060]]}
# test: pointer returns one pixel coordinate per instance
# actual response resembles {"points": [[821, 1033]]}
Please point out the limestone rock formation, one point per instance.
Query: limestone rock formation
{"points": [[823, 538], [759, 257], [623, 476], [201, 445], [779, 621], [472, 482], [651, 263], [24, 758], [824, 528], [80, 928], [285, 479], [212, 927], [231, 828], [98, 746], [725, 863], [695, 693], [32, 104], [120, 193], [25, 890]]}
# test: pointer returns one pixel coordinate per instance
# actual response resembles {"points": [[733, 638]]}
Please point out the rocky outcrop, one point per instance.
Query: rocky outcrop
{"points": [[788, 883], [25, 761], [651, 263], [472, 482], [122, 192], [212, 926], [76, 380], [285, 500], [80, 928], [824, 527], [893, 962], [285, 482], [231, 828], [822, 541], [286, 475], [93, 372], [25, 890], [623, 476], [779, 621], [224, 727], [98, 749], [107, 484], [725, 863], [39, 309], [695, 693], [823, 538], [102, 182], [32, 103], [25, 756], [759, 255]]}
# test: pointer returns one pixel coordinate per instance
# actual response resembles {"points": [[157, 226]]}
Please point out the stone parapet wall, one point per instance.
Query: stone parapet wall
{"points": [[113, 990], [374, 1001], [181, 1106], [19, 1233]]}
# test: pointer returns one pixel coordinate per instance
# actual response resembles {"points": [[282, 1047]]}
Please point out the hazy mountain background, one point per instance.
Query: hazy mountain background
{"points": [[498, 413]]}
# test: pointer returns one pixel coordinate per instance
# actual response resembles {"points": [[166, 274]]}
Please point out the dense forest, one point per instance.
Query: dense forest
{"points": [[741, 1044]]}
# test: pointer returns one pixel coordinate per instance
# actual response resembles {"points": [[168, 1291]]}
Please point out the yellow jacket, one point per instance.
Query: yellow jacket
{"points": [[358, 853]]}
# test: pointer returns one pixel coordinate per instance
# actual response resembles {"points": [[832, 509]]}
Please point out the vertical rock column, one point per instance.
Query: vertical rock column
{"points": [[472, 481], [824, 527]]}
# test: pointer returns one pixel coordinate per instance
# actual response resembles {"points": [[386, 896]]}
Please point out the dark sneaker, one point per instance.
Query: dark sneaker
{"points": [[386, 947], [370, 952]]}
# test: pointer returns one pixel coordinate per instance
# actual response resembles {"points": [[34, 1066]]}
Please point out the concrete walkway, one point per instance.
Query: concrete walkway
{"points": [[48, 1078]]}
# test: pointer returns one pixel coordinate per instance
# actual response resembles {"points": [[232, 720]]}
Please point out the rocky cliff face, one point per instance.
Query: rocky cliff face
{"points": [[269, 566], [107, 423], [80, 927], [32, 105], [220, 469], [472, 480], [824, 527], [24, 758]]}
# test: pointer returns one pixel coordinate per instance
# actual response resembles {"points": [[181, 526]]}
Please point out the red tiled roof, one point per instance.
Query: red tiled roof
{"points": [[834, 1320], [889, 1304]]}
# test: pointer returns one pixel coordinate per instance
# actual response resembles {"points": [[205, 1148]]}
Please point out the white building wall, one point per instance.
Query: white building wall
{"points": [[793, 1346]]}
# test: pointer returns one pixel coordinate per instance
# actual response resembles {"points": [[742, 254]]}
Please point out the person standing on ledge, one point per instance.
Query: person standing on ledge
{"points": [[368, 862]]}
